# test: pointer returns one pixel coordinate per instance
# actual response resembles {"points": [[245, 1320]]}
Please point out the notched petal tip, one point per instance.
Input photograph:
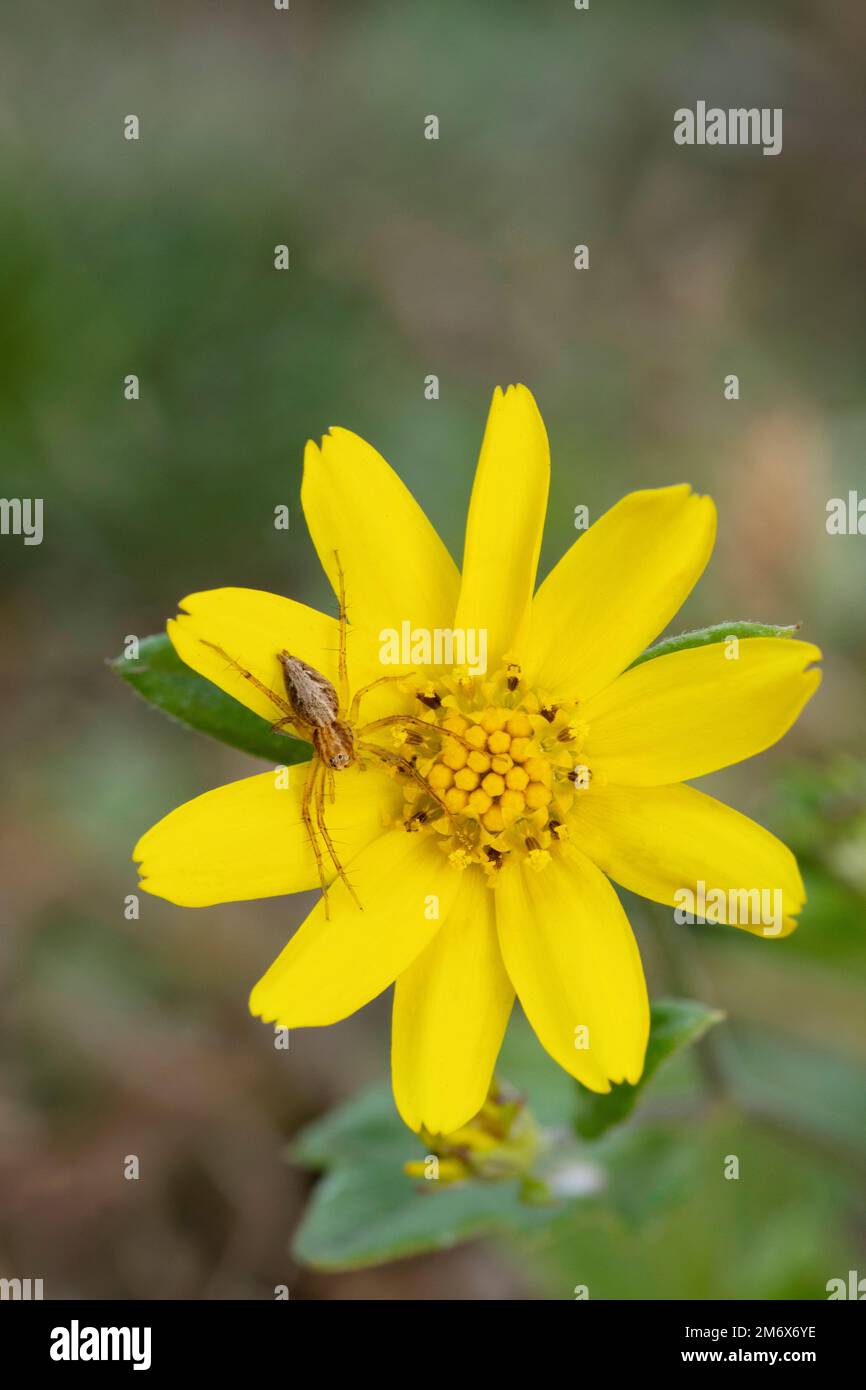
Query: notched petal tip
{"points": [[515, 396], [807, 671], [258, 1004], [335, 436], [209, 602], [685, 493], [312, 452], [815, 655], [591, 1083], [325, 451], [516, 401], [177, 897]]}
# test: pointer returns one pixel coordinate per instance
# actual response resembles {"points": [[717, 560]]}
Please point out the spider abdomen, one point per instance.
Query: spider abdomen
{"points": [[311, 695]]}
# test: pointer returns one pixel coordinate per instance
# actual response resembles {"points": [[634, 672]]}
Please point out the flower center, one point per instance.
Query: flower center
{"points": [[499, 772]]}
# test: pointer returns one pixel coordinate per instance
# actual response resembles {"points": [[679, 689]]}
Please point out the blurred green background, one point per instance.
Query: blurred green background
{"points": [[409, 257]]}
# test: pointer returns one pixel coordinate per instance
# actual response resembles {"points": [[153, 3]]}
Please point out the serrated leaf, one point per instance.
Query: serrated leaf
{"points": [[706, 636], [159, 676], [674, 1024]]}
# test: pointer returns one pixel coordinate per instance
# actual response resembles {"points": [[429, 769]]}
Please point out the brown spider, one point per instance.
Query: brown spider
{"points": [[311, 705]]}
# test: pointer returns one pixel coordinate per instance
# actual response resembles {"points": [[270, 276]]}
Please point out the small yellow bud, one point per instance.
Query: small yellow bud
{"points": [[466, 779], [454, 755], [455, 800], [521, 749], [539, 770], [479, 802], [537, 795], [467, 1137], [440, 776], [518, 725], [493, 784], [499, 741], [491, 720], [512, 805], [479, 762], [493, 820], [452, 1170], [517, 779]]}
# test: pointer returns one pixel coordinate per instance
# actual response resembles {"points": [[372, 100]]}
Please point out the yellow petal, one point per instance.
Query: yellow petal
{"points": [[658, 841], [574, 962], [332, 967], [451, 1008], [394, 563], [251, 626], [247, 840], [505, 522], [689, 713], [617, 588]]}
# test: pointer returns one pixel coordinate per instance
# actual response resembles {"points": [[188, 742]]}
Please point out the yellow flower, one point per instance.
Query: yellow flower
{"points": [[501, 1142], [484, 868]]}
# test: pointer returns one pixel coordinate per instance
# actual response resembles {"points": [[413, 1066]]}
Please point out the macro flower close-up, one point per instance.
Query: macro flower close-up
{"points": [[488, 757], [432, 496]]}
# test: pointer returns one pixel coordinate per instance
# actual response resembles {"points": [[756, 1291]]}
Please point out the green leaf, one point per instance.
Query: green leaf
{"points": [[369, 1214], [366, 1211], [674, 1024], [365, 1125], [649, 1169], [706, 636], [160, 677]]}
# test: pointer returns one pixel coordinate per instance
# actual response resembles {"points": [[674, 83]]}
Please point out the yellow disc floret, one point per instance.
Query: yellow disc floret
{"points": [[498, 772]]}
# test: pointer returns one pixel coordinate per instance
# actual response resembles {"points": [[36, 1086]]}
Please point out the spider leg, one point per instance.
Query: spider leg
{"points": [[300, 729], [275, 699], [395, 760], [309, 787], [326, 836], [373, 685], [343, 663], [412, 721]]}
